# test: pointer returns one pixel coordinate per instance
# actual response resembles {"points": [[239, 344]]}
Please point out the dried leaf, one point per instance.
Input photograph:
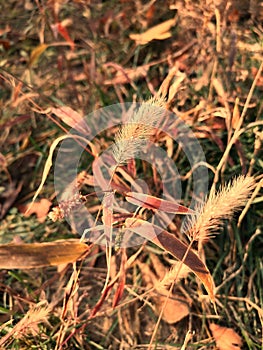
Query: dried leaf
{"points": [[159, 32], [125, 76], [151, 202], [122, 280], [72, 118], [101, 300], [15, 121], [236, 115], [60, 27], [176, 307], [36, 255], [174, 246], [36, 53], [218, 85], [106, 290], [170, 88], [40, 208], [254, 71], [226, 338]]}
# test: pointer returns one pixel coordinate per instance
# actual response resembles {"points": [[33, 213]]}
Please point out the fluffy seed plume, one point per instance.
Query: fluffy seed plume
{"points": [[219, 206], [134, 134]]}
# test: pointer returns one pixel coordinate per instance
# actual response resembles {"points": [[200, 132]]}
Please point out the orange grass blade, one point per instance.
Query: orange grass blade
{"points": [[122, 280], [35, 255], [177, 248], [151, 202], [101, 300]]}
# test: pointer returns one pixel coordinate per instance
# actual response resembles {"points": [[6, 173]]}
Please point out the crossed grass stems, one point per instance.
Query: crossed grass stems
{"points": [[204, 221]]}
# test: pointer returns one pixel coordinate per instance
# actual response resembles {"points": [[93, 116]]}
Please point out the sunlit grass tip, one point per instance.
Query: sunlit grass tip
{"points": [[221, 205], [134, 134]]}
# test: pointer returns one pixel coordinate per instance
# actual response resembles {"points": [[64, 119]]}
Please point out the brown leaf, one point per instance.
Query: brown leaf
{"points": [[150, 12], [174, 246], [40, 208], [151, 202], [254, 71], [72, 118], [35, 255], [226, 338], [218, 85], [15, 121], [159, 32], [176, 307], [122, 280]]}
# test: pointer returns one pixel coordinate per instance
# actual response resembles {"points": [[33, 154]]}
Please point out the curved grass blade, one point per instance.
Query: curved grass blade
{"points": [[177, 248]]}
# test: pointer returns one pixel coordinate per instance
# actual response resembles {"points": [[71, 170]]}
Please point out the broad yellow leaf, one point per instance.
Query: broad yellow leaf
{"points": [[159, 32], [35, 255]]}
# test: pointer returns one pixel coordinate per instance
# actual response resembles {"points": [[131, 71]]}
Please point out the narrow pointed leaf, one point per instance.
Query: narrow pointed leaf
{"points": [[159, 32], [151, 202], [99, 304], [36, 53], [177, 248], [61, 28], [122, 280]]}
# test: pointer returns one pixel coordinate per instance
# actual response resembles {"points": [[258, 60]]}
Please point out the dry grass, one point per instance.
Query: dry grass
{"points": [[209, 70]]}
